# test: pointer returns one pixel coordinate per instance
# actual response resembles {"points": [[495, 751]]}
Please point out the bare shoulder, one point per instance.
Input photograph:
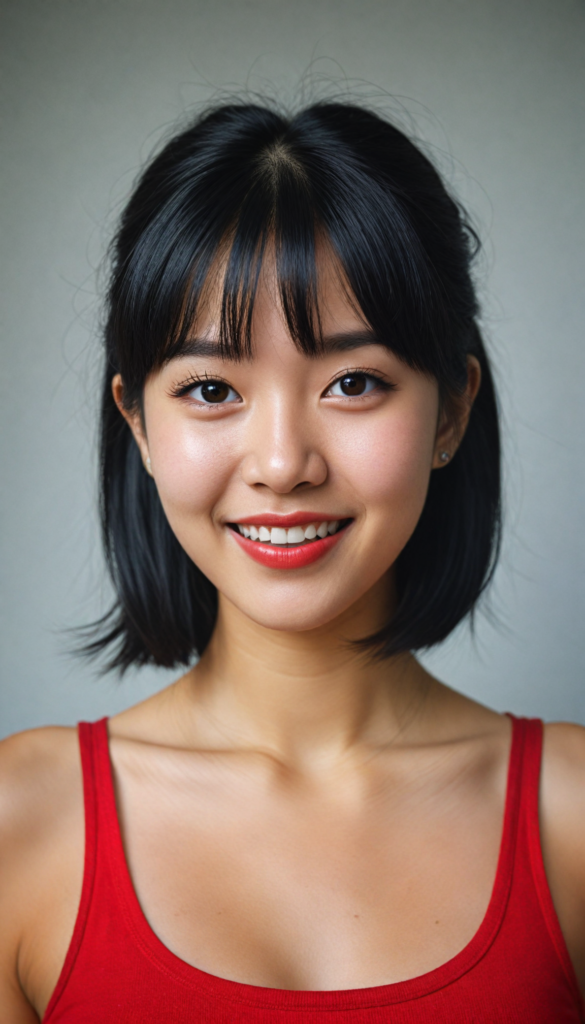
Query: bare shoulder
{"points": [[562, 827], [565, 738], [41, 851], [41, 798], [563, 772], [562, 795], [39, 774]]}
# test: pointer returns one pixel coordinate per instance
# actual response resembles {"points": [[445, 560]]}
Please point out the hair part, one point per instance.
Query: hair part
{"points": [[240, 181]]}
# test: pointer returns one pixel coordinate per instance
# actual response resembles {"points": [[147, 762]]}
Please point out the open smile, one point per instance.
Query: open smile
{"points": [[286, 542]]}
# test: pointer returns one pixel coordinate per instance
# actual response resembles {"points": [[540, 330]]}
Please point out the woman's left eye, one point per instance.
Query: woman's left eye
{"points": [[354, 385], [213, 392]]}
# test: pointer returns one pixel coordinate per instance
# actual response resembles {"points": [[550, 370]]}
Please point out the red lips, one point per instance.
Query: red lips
{"points": [[276, 556]]}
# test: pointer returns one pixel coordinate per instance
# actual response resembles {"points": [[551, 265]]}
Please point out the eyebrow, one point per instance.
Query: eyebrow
{"points": [[342, 341]]}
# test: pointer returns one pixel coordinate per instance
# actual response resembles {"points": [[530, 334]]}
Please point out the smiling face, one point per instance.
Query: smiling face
{"points": [[292, 481]]}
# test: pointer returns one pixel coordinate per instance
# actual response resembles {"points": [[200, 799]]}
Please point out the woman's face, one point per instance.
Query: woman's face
{"points": [[277, 445]]}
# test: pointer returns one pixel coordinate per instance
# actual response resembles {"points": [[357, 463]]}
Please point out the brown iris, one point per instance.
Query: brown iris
{"points": [[214, 391], [353, 384]]}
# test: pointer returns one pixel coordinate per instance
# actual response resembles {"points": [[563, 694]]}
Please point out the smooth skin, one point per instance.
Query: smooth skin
{"points": [[294, 814]]}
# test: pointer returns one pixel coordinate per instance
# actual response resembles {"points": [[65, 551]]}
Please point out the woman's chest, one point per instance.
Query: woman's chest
{"points": [[303, 892]]}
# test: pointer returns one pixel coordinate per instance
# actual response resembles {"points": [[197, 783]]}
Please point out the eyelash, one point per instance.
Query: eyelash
{"points": [[182, 389]]}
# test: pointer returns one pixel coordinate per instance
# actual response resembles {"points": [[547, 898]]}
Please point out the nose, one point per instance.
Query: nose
{"points": [[282, 451]]}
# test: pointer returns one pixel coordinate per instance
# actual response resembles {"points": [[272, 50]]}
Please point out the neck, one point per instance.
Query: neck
{"points": [[310, 697]]}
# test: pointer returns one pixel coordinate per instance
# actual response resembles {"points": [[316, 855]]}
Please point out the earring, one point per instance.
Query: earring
{"points": [[444, 456], [147, 466]]}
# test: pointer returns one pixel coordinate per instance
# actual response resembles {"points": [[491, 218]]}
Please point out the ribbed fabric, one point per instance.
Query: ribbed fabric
{"points": [[515, 969]]}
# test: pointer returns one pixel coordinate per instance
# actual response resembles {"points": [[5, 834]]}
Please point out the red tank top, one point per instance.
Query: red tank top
{"points": [[515, 969]]}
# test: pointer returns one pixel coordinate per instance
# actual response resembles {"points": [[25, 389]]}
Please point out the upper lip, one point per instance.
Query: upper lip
{"points": [[288, 520]]}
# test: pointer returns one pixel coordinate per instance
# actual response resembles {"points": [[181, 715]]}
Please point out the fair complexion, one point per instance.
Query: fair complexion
{"points": [[344, 813]]}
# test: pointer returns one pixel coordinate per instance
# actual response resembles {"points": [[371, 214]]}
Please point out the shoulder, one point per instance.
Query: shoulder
{"points": [[563, 773], [39, 772], [41, 842], [562, 829], [41, 794], [562, 793], [41, 798], [25, 748]]}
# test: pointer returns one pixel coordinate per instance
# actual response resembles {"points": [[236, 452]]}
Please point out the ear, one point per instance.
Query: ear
{"points": [[133, 419], [455, 417]]}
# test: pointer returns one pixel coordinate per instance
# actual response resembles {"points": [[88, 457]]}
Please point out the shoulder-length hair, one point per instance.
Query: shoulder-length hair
{"points": [[242, 177]]}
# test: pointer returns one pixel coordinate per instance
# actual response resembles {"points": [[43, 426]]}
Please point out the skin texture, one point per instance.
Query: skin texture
{"points": [[345, 815]]}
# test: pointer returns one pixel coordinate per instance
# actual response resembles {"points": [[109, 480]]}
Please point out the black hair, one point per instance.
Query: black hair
{"points": [[240, 178]]}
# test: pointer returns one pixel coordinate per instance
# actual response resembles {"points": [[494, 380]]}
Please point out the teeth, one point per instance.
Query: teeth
{"points": [[296, 535], [277, 535]]}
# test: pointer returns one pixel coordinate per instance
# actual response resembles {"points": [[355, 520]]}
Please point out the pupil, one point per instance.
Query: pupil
{"points": [[215, 391], [353, 385]]}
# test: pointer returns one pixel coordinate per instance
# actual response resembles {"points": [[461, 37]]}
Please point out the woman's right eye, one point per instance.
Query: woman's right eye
{"points": [[213, 392]]}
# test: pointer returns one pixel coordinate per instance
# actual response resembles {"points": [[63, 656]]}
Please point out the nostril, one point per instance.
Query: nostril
{"points": [[284, 474]]}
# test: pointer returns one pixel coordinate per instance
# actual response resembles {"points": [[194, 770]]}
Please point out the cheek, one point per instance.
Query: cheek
{"points": [[192, 465], [387, 461]]}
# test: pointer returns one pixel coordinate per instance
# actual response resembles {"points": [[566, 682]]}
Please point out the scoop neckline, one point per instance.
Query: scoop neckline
{"points": [[263, 997]]}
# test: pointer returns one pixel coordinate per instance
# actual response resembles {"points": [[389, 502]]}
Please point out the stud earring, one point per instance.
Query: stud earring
{"points": [[148, 467], [444, 456]]}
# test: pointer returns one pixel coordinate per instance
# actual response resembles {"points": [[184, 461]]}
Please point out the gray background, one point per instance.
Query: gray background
{"points": [[495, 88]]}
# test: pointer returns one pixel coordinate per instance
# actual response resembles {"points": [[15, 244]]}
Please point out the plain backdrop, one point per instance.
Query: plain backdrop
{"points": [[494, 89]]}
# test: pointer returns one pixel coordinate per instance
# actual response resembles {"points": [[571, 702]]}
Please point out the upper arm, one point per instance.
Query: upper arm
{"points": [[41, 865], [562, 812]]}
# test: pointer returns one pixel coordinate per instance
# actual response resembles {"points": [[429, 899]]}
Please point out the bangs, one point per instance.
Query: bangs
{"points": [[277, 222], [290, 192]]}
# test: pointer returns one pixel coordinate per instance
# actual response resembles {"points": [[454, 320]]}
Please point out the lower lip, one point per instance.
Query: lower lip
{"points": [[281, 557]]}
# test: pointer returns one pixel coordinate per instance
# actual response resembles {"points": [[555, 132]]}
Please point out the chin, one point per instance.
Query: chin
{"points": [[291, 623], [300, 614]]}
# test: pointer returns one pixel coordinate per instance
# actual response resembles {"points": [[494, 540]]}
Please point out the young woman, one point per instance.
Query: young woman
{"points": [[300, 473]]}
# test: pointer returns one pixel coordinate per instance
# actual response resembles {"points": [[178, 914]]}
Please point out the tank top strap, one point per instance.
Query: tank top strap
{"points": [[523, 791], [86, 732], [512, 810], [90, 769], [532, 730], [110, 859], [105, 801], [530, 788], [89, 772]]}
